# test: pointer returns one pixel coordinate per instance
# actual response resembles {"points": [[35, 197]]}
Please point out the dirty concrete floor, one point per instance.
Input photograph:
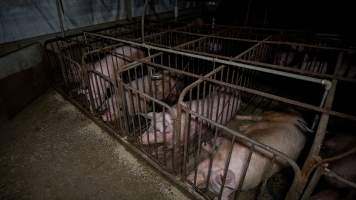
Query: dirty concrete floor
{"points": [[52, 151]]}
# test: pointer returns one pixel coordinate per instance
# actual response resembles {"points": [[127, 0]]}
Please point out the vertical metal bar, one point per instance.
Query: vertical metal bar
{"points": [[187, 133], [155, 128], [339, 61], [164, 137], [312, 184], [244, 172], [60, 12], [320, 134], [226, 167], [211, 157], [267, 172]]}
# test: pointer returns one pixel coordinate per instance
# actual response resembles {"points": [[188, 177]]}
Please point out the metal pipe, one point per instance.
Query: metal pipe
{"points": [[143, 22], [319, 137], [313, 182], [60, 11], [248, 12], [176, 9], [327, 83], [332, 174], [266, 41]]}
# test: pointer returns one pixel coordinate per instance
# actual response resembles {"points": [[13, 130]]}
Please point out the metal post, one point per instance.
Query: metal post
{"points": [[128, 9], [176, 10], [319, 137], [60, 12], [143, 22], [248, 12]]}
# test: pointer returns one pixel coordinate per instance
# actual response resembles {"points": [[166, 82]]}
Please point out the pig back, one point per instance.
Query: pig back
{"points": [[288, 140]]}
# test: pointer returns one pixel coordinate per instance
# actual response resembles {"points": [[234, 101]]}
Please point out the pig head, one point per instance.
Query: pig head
{"points": [[161, 130]]}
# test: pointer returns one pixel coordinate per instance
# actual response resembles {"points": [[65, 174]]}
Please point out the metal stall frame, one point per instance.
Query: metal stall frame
{"points": [[324, 82], [300, 36], [324, 110], [264, 40]]}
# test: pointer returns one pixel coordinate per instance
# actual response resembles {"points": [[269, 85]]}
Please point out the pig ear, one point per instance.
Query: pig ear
{"points": [[146, 115]]}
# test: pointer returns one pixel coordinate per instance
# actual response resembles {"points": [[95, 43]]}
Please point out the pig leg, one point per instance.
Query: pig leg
{"points": [[229, 185], [326, 195], [244, 127]]}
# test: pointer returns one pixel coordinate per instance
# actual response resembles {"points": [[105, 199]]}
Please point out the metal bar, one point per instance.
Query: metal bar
{"points": [[319, 137], [217, 36], [251, 48], [313, 182], [286, 74], [60, 12], [332, 174], [248, 12], [226, 167], [266, 175], [244, 172], [295, 70]]}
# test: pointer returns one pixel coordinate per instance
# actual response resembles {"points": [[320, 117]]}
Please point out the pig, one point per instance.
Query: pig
{"points": [[335, 189], [335, 145], [214, 46], [338, 143], [352, 72], [346, 70], [344, 167], [165, 87], [197, 22], [282, 131], [108, 67], [163, 129], [326, 195], [313, 64], [288, 57], [284, 58]]}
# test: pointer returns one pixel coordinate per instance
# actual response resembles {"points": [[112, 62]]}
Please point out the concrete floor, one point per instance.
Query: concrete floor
{"points": [[52, 151]]}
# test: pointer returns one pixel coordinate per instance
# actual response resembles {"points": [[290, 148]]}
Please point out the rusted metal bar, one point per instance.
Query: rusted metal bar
{"points": [[319, 137], [313, 182]]}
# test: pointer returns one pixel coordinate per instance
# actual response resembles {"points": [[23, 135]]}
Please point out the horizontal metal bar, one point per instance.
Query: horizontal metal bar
{"points": [[251, 48], [251, 91], [267, 41], [333, 174], [327, 83], [218, 37], [300, 71], [339, 156]]}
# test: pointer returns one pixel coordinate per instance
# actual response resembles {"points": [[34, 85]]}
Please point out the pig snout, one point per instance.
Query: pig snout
{"points": [[156, 137], [151, 138]]}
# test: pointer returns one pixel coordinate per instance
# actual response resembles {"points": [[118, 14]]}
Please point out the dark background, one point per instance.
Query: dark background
{"points": [[316, 16]]}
